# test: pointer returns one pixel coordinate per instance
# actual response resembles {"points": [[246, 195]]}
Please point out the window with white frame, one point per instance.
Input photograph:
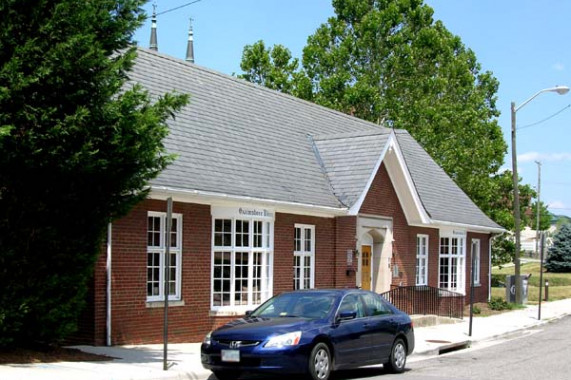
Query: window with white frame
{"points": [[452, 263], [156, 252], [242, 262], [304, 257], [476, 260], [421, 260]]}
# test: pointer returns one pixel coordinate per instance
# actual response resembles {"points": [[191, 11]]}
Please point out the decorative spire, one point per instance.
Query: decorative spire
{"points": [[190, 45], [153, 44]]}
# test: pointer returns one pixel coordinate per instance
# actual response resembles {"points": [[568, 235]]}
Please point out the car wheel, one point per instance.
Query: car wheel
{"points": [[320, 362], [397, 358], [226, 375]]}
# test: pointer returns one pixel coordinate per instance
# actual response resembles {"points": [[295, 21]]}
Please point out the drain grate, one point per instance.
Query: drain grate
{"points": [[453, 347]]}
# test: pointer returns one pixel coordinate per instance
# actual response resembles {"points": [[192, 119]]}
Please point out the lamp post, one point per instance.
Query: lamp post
{"points": [[561, 90]]}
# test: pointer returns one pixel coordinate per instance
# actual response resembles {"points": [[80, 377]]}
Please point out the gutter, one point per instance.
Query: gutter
{"points": [[471, 227], [205, 197]]}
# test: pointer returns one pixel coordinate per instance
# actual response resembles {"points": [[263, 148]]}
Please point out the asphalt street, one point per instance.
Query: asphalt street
{"points": [[539, 353]]}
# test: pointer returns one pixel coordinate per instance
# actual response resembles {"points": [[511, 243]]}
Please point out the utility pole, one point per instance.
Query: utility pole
{"points": [[518, 290], [166, 274], [538, 207]]}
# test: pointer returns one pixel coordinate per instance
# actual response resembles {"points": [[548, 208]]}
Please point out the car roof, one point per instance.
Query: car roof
{"points": [[337, 292]]}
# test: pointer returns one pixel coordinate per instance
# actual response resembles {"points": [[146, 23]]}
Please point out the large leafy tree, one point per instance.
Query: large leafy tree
{"points": [[274, 68], [559, 257], [390, 62], [78, 147]]}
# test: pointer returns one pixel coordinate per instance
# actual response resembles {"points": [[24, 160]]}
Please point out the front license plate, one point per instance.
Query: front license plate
{"points": [[231, 356]]}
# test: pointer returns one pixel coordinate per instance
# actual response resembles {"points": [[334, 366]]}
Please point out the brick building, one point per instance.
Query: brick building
{"points": [[272, 193]]}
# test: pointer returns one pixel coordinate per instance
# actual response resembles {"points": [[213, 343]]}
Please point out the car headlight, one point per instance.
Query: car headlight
{"points": [[284, 340], [208, 339]]}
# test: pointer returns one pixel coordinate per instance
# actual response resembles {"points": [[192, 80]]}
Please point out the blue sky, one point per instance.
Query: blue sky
{"points": [[525, 43]]}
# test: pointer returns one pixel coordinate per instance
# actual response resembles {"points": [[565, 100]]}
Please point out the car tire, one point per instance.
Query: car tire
{"points": [[320, 362], [397, 357], [226, 375]]}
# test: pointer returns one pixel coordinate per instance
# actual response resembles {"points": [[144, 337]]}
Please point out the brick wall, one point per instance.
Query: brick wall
{"points": [[133, 322], [345, 237], [382, 200], [284, 246], [480, 292]]}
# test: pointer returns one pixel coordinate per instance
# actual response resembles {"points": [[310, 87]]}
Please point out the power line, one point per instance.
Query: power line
{"points": [[180, 6], [547, 118]]}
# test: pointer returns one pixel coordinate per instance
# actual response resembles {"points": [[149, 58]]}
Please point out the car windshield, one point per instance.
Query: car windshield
{"points": [[304, 305]]}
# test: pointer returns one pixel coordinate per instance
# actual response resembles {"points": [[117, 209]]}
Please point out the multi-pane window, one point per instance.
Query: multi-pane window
{"points": [[476, 260], [156, 251], [304, 257], [242, 262], [452, 264], [422, 260]]}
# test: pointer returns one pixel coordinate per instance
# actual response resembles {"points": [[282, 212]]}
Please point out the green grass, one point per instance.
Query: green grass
{"points": [[559, 283], [555, 279]]}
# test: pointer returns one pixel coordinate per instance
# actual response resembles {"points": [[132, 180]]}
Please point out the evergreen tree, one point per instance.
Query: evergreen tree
{"points": [[559, 256], [78, 147]]}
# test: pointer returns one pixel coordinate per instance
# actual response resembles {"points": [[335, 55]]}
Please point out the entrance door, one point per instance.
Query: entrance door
{"points": [[366, 267]]}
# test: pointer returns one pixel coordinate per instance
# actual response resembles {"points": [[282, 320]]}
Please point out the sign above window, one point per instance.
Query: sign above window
{"points": [[243, 213], [449, 231]]}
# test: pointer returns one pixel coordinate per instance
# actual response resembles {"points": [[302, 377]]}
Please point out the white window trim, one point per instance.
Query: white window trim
{"points": [[478, 261], [267, 260], [424, 256], [303, 253], [461, 269], [162, 250]]}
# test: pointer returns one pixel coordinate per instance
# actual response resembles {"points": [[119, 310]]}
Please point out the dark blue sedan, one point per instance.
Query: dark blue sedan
{"points": [[312, 332]]}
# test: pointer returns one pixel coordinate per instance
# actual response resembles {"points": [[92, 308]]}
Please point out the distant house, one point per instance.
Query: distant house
{"points": [[529, 242], [272, 193]]}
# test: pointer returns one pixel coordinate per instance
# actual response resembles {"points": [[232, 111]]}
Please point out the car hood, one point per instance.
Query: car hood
{"points": [[260, 328]]}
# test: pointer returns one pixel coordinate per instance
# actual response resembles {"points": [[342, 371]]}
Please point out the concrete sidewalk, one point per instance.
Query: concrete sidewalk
{"points": [[145, 362]]}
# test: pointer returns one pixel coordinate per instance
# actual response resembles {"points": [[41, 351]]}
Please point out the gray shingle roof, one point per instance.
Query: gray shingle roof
{"points": [[244, 140], [442, 199], [349, 160], [241, 139]]}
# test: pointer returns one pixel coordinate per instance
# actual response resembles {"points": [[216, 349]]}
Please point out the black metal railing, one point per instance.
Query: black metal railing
{"points": [[427, 300]]}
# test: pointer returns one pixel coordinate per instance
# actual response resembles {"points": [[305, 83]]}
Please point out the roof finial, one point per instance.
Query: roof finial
{"points": [[190, 45], [153, 44]]}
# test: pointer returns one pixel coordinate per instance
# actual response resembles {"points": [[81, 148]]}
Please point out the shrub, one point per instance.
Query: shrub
{"points": [[499, 304]]}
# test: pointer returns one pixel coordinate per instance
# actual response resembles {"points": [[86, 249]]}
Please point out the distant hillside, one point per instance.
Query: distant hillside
{"points": [[558, 220]]}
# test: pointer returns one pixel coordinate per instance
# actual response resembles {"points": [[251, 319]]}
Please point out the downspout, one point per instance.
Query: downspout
{"points": [[492, 237], [108, 272]]}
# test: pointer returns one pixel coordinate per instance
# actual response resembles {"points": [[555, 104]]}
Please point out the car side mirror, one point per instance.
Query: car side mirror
{"points": [[248, 313], [346, 315]]}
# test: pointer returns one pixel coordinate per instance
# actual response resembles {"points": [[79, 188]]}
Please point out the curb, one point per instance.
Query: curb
{"points": [[456, 346]]}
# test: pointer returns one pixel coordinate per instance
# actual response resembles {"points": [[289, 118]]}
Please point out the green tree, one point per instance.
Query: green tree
{"points": [[559, 256], [545, 217], [274, 68], [390, 62], [78, 147]]}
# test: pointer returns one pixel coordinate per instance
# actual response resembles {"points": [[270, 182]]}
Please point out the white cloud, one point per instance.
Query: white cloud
{"points": [[543, 157], [556, 205], [558, 66]]}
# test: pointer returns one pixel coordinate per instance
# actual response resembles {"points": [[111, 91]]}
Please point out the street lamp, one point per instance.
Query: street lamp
{"points": [[561, 90]]}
